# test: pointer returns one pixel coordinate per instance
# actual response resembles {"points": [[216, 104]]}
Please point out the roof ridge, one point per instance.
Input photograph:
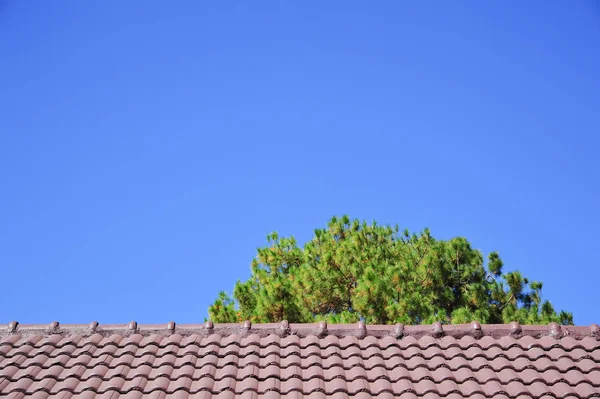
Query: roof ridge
{"points": [[322, 329]]}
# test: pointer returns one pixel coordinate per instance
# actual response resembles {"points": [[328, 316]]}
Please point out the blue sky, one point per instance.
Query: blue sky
{"points": [[147, 149]]}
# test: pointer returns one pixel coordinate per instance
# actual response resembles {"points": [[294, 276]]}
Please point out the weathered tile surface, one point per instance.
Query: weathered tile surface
{"points": [[298, 361]]}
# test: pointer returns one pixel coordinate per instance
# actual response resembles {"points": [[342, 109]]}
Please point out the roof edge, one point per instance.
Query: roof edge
{"points": [[322, 329]]}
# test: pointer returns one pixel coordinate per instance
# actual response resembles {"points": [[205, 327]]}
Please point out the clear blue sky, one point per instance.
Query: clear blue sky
{"points": [[148, 148]]}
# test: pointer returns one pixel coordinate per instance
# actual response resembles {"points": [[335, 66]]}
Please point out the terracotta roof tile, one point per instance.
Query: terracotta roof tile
{"points": [[447, 387], [312, 395], [298, 360], [358, 385], [339, 395], [403, 386], [292, 384]]}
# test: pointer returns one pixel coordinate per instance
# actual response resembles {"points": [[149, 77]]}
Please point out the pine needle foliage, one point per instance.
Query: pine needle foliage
{"points": [[355, 270]]}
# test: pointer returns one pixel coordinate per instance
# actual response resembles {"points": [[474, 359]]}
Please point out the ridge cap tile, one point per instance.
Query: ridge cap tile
{"points": [[360, 329]]}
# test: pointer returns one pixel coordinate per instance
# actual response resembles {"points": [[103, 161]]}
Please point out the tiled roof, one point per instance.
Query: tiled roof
{"points": [[298, 360]]}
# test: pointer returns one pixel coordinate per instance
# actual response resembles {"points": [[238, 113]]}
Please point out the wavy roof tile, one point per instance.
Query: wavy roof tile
{"points": [[298, 361]]}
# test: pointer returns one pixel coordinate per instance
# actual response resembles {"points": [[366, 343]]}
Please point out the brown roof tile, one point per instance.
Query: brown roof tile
{"points": [[298, 361]]}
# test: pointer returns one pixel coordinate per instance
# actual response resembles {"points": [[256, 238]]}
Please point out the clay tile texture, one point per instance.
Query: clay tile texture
{"points": [[283, 360]]}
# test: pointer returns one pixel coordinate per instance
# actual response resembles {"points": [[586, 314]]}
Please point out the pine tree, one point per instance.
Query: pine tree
{"points": [[354, 270]]}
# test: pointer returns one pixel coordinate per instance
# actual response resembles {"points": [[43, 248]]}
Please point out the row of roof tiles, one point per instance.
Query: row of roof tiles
{"points": [[459, 375], [320, 368], [421, 388], [246, 344], [296, 354], [273, 395]]}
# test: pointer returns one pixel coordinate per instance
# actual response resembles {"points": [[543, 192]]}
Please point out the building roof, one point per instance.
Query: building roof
{"points": [[299, 360]]}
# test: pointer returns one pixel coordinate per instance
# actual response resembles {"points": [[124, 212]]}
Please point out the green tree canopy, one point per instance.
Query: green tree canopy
{"points": [[353, 271]]}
